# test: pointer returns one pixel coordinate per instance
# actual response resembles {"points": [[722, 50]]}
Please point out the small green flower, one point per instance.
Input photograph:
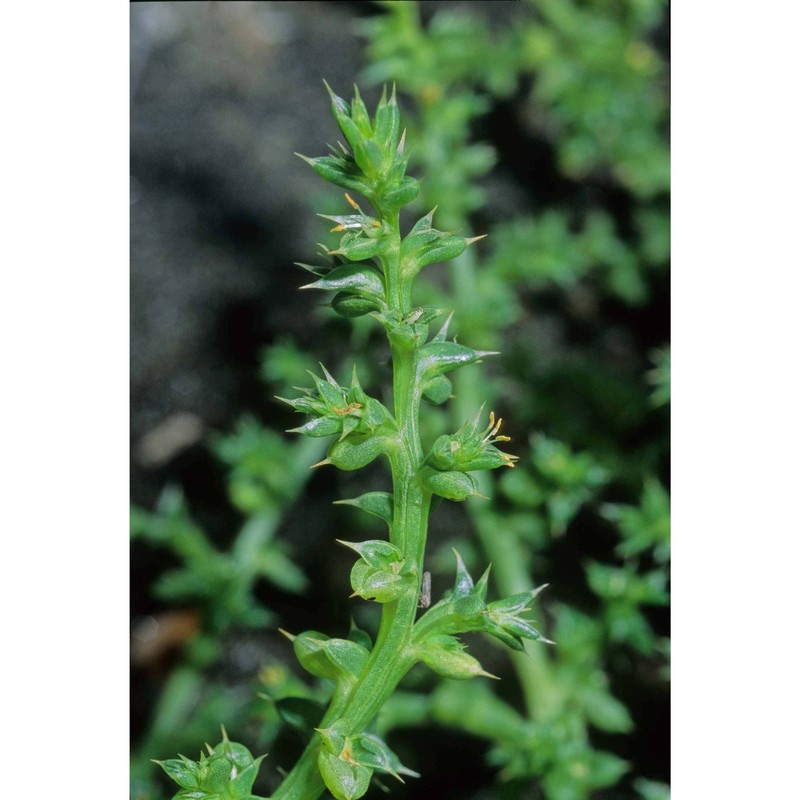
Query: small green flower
{"points": [[470, 448]]}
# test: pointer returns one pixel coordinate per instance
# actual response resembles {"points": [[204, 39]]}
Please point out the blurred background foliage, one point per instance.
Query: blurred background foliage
{"points": [[542, 123]]}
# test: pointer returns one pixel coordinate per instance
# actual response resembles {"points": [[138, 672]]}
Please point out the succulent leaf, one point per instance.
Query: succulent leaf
{"points": [[379, 504], [446, 657], [371, 751], [450, 485], [345, 780], [329, 658], [438, 357]]}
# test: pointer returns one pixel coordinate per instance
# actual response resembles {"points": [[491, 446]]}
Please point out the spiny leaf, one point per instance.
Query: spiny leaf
{"points": [[380, 504]]}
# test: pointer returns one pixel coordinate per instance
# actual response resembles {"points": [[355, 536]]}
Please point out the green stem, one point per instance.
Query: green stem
{"points": [[390, 658]]}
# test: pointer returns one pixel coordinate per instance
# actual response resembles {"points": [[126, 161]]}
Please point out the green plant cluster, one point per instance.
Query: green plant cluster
{"points": [[598, 96], [221, 586]]}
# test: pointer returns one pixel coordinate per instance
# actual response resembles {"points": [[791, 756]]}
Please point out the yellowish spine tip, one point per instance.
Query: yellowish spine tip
{"points": [[474, 239], [320, 463], [289, 636]]}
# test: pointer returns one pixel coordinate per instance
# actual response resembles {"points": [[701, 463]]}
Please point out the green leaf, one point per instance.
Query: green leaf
{"points": [[379, 504], [300, 712], [359, 636], [377, 553], [352, 306], [320, 427], [182, 771], [357, 279], [308, 649], [372, 752], [242, 783], [437, 390], [446, 657], [437, 357], [456, 486], [356, 451], [651, 790], [345, 781], [347, 657], [339, 171], [604, 711]]}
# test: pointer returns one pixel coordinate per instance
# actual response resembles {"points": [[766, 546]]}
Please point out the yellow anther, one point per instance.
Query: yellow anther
{"points": [[352, 202], [347, 409], [347, 754]]}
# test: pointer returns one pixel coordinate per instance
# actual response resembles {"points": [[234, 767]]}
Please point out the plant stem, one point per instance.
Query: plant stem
{"points": [[390, 658]]}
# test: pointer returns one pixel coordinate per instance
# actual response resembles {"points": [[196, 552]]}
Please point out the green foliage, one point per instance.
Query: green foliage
{"points": [[607, 107], [598, 98], [265, 475], [212, 578], [226, 773], [556, 482]]}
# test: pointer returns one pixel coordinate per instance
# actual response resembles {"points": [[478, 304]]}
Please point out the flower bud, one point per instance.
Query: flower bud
{"points": [[378, 574], [380, 585]]}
